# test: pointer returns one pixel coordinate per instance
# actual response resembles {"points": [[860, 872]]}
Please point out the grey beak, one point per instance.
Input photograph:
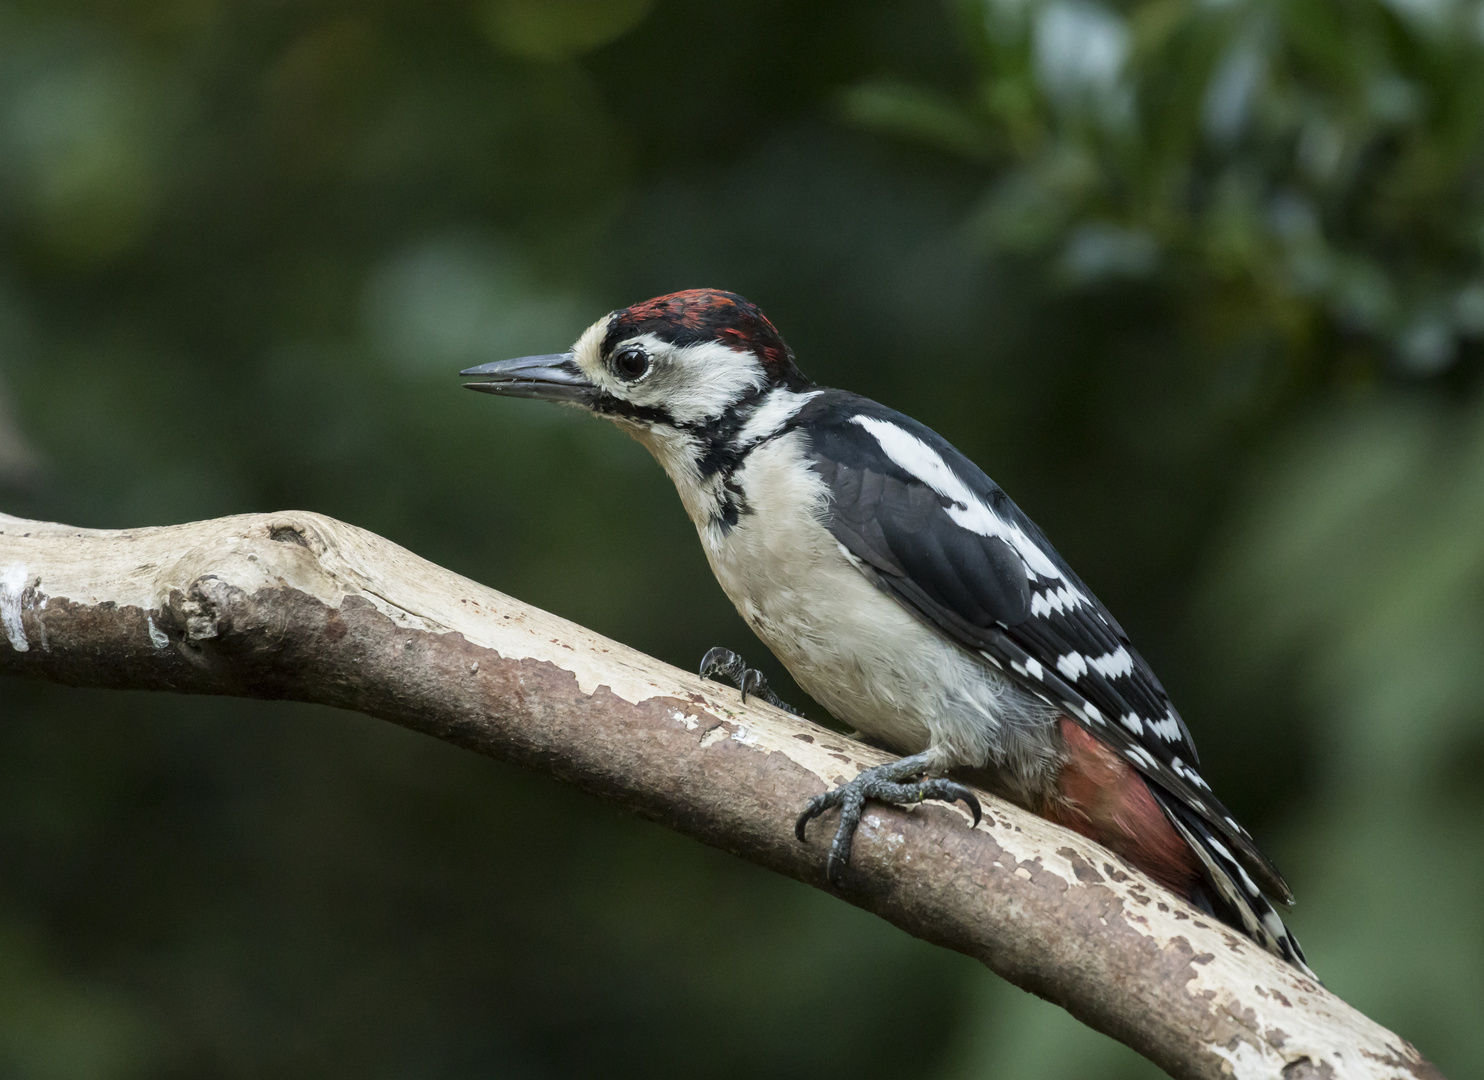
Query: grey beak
{"points": [[553, 377]]}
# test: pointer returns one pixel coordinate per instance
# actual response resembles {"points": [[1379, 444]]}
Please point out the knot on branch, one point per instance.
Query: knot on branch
{"points": [[203, 611], [1305, 1069]]}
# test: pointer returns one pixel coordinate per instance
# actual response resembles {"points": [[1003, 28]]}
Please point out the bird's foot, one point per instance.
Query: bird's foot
{"points": [[724, 663], [886, 783]]}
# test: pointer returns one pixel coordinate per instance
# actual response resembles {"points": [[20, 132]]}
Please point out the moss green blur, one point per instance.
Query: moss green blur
{"points": [[1198, 281]]}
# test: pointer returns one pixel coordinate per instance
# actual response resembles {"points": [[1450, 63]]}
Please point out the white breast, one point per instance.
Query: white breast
{"points": [[862, 655]]}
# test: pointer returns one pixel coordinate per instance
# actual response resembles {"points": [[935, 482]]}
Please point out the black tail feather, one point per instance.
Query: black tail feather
{"points": [[1232, 896]]}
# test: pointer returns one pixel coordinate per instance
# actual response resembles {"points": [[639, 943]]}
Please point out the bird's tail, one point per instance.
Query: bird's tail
{"points": [[1237, 900]]}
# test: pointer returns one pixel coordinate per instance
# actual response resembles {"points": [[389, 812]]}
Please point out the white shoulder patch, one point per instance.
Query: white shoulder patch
{"points": [[927, 465]]}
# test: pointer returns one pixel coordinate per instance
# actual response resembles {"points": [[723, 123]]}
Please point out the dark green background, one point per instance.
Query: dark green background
{"points": [[1197, 282]]}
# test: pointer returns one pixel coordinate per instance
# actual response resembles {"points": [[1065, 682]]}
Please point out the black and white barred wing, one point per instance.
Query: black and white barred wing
{"points": [[949, 544]]}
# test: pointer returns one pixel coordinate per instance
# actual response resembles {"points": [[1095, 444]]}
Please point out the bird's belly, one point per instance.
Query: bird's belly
{"points": [[867, 659]]}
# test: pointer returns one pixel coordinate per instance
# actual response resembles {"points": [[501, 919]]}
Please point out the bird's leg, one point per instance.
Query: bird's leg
{"points": [[886, 783], [731, 667]]}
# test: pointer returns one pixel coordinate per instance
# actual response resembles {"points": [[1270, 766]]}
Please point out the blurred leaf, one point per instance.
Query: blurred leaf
{"points": [[559, 29], [922, 115], [53, 1029], [83, 134], [1327, 152]]}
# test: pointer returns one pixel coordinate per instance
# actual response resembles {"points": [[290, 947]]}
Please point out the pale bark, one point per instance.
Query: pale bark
{"points": [[300, 606]]}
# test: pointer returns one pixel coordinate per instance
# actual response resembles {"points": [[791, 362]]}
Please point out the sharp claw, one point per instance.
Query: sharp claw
{"points": [[882, 783], [948, 791], [721, 662], [803, 823], [812, 809], [716, 661], [839, 858]]}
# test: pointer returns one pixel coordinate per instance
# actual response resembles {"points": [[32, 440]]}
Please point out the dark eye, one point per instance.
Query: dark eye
{"points": [[630, 363]]}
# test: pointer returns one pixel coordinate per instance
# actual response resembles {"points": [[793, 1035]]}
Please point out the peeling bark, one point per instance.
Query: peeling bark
{"points": [[303, 607]]}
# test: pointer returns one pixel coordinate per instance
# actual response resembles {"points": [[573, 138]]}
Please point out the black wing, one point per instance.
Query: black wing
{"points": [[953, 547]]}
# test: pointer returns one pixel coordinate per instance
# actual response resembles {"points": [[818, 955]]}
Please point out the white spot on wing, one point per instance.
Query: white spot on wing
{"points": [[1220, 848], [1133, 723], [1112, 665], [1142, 756], [1072, 665], [1060, 600], [1247, 882], [1167, 729]]}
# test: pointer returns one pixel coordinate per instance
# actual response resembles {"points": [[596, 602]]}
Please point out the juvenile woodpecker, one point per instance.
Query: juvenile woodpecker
{"points": [[909, 596]]}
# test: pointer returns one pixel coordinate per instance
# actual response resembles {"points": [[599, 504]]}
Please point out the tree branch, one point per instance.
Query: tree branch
{"points": [[303, 607]]}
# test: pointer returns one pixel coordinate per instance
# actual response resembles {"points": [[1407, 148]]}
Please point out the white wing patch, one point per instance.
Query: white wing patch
{"points": [[926, 464]]}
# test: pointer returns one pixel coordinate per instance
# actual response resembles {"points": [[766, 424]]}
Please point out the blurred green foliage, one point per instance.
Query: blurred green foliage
{"points": [[1303, 175], [1198, 282]]}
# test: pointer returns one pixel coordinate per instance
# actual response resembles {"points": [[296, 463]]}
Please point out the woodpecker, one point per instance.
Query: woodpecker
{"points": [[909, 596]]}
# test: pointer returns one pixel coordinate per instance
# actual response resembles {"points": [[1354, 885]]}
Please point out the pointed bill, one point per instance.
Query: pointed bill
{"points": [[552, 377]]}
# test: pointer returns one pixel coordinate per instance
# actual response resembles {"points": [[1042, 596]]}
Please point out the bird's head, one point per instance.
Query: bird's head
{"points": [[684, 363]]}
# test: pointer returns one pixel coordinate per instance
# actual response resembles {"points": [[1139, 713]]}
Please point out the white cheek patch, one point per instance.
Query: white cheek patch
{"points": [[696, 382], [920, 460]]}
